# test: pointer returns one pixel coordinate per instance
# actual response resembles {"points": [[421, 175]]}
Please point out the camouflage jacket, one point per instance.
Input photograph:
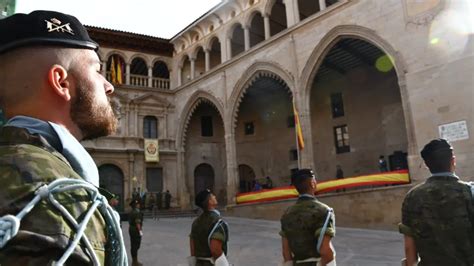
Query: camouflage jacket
{"points": [[27, 162], [200, 231], [302, 223], [135, 217], [439, 215]]}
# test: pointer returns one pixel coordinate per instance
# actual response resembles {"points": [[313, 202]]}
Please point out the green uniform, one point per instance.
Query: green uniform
{"points": [[200, 231], [135, 218], [27, 162], [439, 215], [302, 224]]}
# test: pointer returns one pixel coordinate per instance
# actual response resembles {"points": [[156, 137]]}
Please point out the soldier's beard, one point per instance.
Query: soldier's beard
{"points": [[92, 118]]}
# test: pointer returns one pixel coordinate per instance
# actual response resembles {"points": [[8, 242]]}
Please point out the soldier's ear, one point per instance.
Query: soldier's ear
{"points": [[59, 82]]}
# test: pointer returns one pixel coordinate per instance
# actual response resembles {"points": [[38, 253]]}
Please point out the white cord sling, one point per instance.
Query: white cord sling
{"points": [[9, 224]]}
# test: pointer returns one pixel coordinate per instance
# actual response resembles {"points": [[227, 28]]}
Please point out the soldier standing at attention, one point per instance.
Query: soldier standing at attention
{"points": [[135, 221], [209, 234], [53, 93], [438, 215], [308, 226]]}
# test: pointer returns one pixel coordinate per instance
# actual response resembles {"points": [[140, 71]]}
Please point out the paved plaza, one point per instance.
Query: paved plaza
{"points": [[256, 242]]}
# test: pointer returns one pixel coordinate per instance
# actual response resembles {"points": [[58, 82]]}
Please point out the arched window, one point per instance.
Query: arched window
{"points": [[161, 75], [278, 18], [150, 127], [215, 53], [237, 41], [257, 30], [111, 179], [203, 178], [116, 69], [138, 72]]}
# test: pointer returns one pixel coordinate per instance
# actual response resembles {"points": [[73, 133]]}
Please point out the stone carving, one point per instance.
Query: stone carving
{"points": [[422, 12]]}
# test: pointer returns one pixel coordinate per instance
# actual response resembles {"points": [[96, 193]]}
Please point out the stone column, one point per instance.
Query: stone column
{"points": [[127, 120], [224, 55], [150, 76], [135, 126], [207, 59], [292, 12], [192, 67], [104, 69], [229, 48], [180, 74], [266, 23], [183, 193], [322, 5], [131, 170], [247, 37], [232, 171], [127, 74]]}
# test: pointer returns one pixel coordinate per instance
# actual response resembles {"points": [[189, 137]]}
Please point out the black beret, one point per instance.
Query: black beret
{"points": [[302, 174], [43, 28], [436, 147], [202, 197]]}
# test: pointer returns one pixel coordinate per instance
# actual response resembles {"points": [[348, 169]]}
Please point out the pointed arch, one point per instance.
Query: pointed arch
{"points": [[194, 101], [255, 71]]}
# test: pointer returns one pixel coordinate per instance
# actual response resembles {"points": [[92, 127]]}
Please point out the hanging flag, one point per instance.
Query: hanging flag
{"points": [[113, 76], [119, 71], [299, 131]]}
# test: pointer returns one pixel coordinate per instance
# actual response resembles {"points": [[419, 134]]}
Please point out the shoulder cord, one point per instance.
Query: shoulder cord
{"points": [[219, 223], [323, 230], [9, 224]]}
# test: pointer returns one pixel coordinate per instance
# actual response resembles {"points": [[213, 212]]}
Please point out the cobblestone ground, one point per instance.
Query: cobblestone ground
{"points": [[256, 242]]}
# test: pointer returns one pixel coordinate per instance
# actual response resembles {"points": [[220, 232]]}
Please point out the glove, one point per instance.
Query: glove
{"points": [[221, 261], [332, 263], [141, 233], [191, 261]]}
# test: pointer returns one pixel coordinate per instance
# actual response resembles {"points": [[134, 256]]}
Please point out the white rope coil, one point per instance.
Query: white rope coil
{"points": [[9, 224]]}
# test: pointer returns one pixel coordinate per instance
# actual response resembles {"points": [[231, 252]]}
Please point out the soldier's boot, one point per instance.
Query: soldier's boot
{"points": [[135, 262]]}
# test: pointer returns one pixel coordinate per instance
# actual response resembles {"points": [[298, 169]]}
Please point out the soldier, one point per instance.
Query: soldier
{"points": [[308, 226], [167, 199], [159, 200], [438, 215], [135, 221], [53, 94], [209, 234]]}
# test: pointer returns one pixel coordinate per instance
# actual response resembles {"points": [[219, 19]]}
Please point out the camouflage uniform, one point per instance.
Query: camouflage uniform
{"points": [[135, 218], [302, 223], [27, 162], [201, 228], [439, 215]]}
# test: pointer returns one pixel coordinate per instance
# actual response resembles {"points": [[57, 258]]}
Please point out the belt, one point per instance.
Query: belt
{"points": [[211, 259], [308, 260]]}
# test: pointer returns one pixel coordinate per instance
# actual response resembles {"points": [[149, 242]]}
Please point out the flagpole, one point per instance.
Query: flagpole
{"points": [[296, 121]]}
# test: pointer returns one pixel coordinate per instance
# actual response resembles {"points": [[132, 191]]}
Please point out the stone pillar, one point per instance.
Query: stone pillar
{"points": [[150, 76], [131, 170], [183, 193], [104, 69], [193, 60], [135, 122], [207, 60], [292, 12], [127, 120], [127, 74], [247, 37], [229, 48], [180, 76], [224, 55], [322, 5], [266, 23], [232, 171]]}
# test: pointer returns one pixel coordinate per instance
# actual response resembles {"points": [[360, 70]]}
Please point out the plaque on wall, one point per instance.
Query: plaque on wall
{"points": [[151, 150], [454, 131]]}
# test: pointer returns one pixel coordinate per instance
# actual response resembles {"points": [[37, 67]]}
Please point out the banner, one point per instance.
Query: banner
{"points": [[151, 150], [386, 178]]}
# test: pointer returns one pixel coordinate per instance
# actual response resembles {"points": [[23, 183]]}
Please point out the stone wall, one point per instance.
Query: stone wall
{"points": [[376, 208]]}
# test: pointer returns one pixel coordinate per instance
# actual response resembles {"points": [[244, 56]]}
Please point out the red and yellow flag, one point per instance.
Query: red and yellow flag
{"points": [[299, 131], [113, 74], [119, 71]]}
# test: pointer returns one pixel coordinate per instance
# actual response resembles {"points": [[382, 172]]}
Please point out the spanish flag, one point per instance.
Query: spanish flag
{"points": [[119, 71], [299, 132], [113, 74]]}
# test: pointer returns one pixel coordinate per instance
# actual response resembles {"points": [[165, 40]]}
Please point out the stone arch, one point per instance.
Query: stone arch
{"points": [[231, 29], [208, 44], [368, 35], [194, 101], [267, 9], [255, 71], [332, 37], [183, 59], [196, 50], [141, 56], [117, 52], [204, 177], [250, 15]]}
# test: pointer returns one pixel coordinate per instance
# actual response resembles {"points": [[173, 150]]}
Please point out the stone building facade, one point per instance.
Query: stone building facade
{"points": [[368, 78]]}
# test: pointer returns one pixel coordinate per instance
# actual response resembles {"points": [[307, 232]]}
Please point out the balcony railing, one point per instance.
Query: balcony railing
{"points": [[142, 81]]}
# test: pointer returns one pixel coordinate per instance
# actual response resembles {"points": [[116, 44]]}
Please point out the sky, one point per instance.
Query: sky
{"points": [[159, 18]]}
